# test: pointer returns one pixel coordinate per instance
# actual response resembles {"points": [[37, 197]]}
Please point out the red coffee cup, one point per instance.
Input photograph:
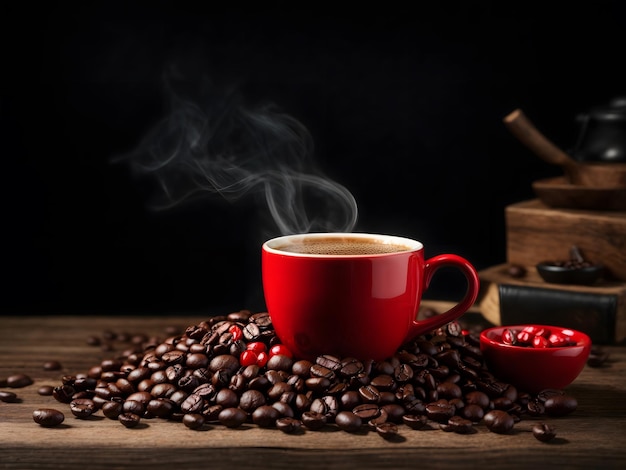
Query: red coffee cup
{"points": [[353, 294]]}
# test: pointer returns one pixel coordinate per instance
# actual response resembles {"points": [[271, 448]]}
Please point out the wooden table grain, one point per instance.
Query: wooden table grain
{"points": [[594, 436]]}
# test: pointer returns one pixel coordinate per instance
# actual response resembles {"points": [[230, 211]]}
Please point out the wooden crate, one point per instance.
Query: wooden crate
{"points": [[536, 232]]}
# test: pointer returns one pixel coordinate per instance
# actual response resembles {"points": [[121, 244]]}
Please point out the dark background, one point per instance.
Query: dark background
{"points": [[405, 109]]}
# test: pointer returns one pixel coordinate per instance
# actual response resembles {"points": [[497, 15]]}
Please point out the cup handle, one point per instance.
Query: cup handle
{"points": [[431, 266]]}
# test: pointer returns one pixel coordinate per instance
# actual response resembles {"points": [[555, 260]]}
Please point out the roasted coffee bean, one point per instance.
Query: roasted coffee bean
{"points": [[560, 405], [250, 400], [414, 421], [280, 362], [8, 397], [543, 395], [499, 421], [52, 365], [458, 425], [129, 420], [350, 367], [403, 373], [348, 421], [329, 362], [415, 406], [142, 397], [163, 390], [45, 390], [450, 357], [111, 409], [193, 404], [134, 406], [138, 374], [326, 405], [516, 271], [387, 430], [394, 412], [472, 412], [597, 357], [318, 370], [211, 412], [440, 411], [449, 390], [227, 398], [82, 407], [63, 393], [383, 382], [252, 332], [284, 409], [317, 384], [193, 420], [206, 391], [288, 425], [48, 417], [337, 388], [265, 416], [18, 381], [232, 417], [174, 356], [301, 368], [535, 408], [375, 421], [544, 432], [366, 411], [224, 361], [160, 407], [369, 394], [313, 420]]}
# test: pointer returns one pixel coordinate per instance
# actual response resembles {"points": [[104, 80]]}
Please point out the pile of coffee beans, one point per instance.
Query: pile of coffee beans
{"points": [[575, 261], [196, 377]]}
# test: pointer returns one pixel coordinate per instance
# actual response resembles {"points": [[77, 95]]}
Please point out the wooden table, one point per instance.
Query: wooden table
{"points": [[594, 436]]}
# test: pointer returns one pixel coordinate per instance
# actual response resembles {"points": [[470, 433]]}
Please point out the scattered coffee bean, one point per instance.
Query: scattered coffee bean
{"points": [[45, 390], [415, 421], [129, 420], [82, 407], [458, 425], [288, 425], [313, 420], [52, 365], [387, 430], [48, 417], [597, 357], [18, 381], [348, 421], [193, 420], [499, 421], [516, 271], [232, 417], [544, 432], [8, 397], [560, 405], [112, 409], [265, 416]]}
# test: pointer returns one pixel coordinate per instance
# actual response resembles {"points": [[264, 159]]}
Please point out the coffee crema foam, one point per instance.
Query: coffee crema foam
{"points": [[342, 246]]}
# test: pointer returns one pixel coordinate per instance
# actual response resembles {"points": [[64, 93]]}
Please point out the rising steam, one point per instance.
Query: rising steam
{"points": [[214, 144]]}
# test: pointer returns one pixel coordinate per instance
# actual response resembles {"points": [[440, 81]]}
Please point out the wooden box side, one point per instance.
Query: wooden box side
{"points": [[536, 233]]}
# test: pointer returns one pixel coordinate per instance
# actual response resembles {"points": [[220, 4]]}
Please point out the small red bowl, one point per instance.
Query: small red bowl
{"points": [[533, 369]]}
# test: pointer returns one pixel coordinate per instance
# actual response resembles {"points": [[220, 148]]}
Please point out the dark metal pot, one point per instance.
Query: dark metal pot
{"points": [[603, 134]]}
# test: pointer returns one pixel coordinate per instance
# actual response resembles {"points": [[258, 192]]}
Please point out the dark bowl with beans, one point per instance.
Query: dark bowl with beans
{"points": [[535, 357], [566, 273]]}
